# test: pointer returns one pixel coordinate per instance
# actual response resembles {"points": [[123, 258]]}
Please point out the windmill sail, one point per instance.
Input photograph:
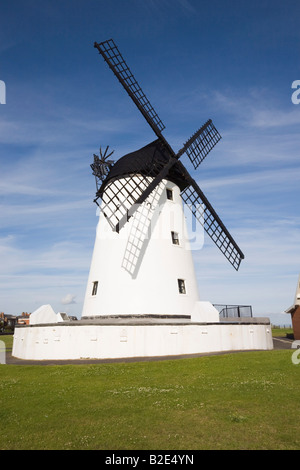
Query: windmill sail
{"points": [[150, 185], [131, 180], [201, 143], [203, 211], [116, 62], [125, 188]]}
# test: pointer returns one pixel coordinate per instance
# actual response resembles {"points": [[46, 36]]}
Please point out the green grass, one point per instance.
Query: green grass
{"points": [[281, 331], [246, 400]]}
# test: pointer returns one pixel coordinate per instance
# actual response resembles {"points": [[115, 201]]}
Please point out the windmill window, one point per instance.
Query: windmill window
{"points": [[181, 286], [95, 288], [170, 194], [175, 238]]}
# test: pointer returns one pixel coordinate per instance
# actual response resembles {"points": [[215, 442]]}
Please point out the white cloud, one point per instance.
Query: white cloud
{"points": [[267, 276], [187, 6], [68, 299], [35, 276], [257, 109]]}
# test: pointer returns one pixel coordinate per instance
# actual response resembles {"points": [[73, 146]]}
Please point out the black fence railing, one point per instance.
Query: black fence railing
{"points": [[238, 311]]}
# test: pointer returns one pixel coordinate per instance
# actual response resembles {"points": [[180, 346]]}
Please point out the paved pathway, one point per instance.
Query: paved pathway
{"points": [[282, 343]]}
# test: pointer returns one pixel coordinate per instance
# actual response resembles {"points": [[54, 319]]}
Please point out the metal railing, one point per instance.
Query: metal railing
{"points": [[237, 311]]}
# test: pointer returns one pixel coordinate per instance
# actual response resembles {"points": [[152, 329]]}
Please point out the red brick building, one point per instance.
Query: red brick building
{"points": [[294, 310]]}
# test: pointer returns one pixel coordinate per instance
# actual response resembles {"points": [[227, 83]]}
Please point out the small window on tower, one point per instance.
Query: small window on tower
{"points": [[170, 194], [181, 286], [175, 238], [95, 288]]}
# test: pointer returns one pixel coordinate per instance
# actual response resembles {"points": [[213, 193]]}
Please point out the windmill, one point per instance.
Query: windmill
{"points": [[138, 181], [142, 297]]}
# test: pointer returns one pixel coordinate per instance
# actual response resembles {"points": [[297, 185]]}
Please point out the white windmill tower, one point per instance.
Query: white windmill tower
{"points": [[142, 262]]}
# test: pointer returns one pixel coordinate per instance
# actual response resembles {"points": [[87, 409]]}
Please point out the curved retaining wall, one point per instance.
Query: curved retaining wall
{"points": [[84, 340]]}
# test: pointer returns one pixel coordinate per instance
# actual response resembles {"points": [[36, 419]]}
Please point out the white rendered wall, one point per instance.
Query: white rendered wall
{"points": [[62, 342], [138, 274]]}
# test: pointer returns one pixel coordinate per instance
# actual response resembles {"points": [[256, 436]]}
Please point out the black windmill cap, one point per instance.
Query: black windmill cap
{"points": [[147, 161]]}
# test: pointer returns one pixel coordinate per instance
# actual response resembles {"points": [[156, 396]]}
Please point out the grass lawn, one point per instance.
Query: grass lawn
{"points": [[247, 400], [281, 332]]}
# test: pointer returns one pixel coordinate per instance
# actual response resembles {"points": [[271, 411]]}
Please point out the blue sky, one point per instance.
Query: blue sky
{"points": [[232, 61]]}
